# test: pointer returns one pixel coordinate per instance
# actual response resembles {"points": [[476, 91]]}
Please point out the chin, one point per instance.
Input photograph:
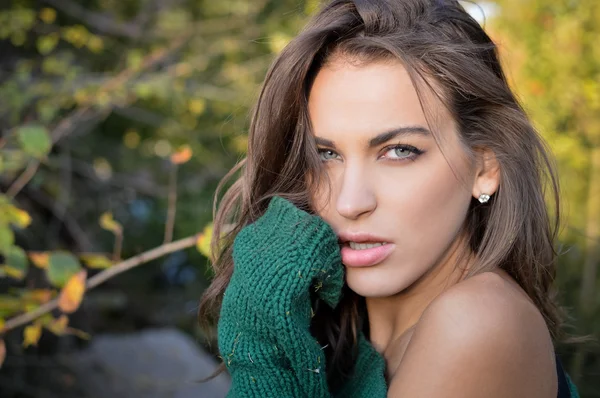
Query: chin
{"points": [[371, 285]]}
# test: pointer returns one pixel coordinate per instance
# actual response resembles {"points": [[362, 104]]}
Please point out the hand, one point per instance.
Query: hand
{"points": [[264, 334]]}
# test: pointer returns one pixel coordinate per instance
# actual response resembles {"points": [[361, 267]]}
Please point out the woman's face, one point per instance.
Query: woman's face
{"points": [[389, 181]]}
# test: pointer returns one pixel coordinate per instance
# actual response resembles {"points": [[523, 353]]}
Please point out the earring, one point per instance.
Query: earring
{"points": [[484, 198]]}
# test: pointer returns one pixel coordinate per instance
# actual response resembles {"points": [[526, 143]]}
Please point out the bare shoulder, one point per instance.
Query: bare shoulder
{"points": [[482, 337], [487, 303]]}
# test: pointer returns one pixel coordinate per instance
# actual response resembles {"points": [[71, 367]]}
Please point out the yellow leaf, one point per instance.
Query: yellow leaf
{"points": [[132, 139], [40, 295], [81, 96], [40, 260], [203, 242], [72, 293], [108, 223], [95, 44], [96, 261], [240, 144], [20, 218], [1, 327], [279, 41], [13, 272], [197, 106], [32, 334], [48, 15], [77, 35], [59, 325], [311, 7], [17, 217], [182, 156], [2, 352]]}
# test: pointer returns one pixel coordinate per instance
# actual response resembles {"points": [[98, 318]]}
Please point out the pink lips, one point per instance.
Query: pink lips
{"points": [[366, 257]]}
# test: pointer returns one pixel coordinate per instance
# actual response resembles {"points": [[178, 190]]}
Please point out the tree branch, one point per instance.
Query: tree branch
{"points": [[23, 179], [67, 124], [104, 276], [75, 232], [172, 207]]}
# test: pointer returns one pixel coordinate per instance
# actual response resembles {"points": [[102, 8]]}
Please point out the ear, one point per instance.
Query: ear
{"points": [[487, 173]]}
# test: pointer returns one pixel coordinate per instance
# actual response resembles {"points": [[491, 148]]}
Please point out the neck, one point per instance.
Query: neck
{"points": [[390, 318]]}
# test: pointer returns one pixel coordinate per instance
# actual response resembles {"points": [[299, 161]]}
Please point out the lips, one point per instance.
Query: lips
{"points": [[364, 249], [366, 257]]}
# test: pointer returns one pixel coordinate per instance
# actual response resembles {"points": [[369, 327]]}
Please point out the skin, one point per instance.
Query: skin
{"points": [[441, 335]]}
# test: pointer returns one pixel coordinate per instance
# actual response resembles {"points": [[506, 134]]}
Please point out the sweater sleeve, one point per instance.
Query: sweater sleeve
{"points": [[264, 327], [368, 377]]}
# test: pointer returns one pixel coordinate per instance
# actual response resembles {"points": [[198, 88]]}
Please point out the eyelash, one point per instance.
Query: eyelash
{"points": [[414, 150]]}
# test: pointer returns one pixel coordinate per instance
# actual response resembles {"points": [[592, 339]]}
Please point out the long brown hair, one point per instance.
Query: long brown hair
{"points": [[442, 47]]}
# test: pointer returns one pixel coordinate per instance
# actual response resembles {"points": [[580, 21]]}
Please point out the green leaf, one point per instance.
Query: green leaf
{"points": [[35, 140], [16, 262], [45, 44], [55, 65], [9, 305], [13, 160], [18, 38], [134, 59], [62, 267], [46, 111], [7, 238]]}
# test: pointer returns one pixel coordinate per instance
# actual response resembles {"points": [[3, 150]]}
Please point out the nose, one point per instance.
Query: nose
{"points": [[356, 197]]}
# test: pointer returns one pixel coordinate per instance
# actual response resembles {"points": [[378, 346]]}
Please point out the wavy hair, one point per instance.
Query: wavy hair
{"points": [[443, 48]]}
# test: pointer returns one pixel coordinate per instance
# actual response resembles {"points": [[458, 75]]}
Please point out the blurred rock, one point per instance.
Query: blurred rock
{"points": [[156, 363]]}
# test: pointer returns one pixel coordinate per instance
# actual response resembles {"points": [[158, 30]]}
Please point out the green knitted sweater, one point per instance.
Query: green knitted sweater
{"points": [[263, 330]]}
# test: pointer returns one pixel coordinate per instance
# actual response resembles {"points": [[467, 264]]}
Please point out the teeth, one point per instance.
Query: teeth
{"points": [[363, 246]]}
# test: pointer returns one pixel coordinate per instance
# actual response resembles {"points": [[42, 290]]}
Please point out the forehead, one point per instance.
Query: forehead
{"points": [[369, 98]]}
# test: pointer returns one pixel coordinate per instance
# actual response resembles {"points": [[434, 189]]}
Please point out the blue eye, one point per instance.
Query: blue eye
{"points": [[402, 152], [327, 154]]}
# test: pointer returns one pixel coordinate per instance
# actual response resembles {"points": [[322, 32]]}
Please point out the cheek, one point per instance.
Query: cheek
{"points": [[431, 209], [423, 210]]}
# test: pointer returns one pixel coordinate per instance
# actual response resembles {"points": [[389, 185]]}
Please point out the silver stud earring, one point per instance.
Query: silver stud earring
{"points": [[484, 198]]}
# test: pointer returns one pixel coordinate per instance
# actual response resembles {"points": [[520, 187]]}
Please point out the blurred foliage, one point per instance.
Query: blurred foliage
{"points": [[114, 114], [553, 58], [119, 117]]}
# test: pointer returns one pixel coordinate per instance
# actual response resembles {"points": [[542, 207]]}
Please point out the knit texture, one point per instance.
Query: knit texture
{"points": [[368, 378], [264, 326]]}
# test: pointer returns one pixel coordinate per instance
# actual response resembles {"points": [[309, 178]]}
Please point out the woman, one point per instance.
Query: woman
{"points": [[391, 122]]}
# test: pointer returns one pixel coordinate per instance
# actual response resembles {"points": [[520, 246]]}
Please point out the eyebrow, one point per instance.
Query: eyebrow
{"points": [[383, 137]]}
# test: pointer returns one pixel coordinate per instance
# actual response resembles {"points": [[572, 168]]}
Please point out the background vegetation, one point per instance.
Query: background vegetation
{"points": [[118, 118]]}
